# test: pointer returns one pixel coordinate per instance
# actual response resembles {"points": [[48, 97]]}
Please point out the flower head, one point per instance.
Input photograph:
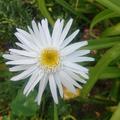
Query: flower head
{"points": [[46, 58]]}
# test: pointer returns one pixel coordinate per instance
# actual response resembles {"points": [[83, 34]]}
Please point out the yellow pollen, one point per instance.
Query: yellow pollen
{"points": [[49, 58]]}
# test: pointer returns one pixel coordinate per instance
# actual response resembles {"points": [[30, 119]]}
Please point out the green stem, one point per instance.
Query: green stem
{"points": [[44, 11], [55, 112]]}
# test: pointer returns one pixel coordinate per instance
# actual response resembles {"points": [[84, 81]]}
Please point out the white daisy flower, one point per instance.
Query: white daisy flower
{"points": [[46, 58]]}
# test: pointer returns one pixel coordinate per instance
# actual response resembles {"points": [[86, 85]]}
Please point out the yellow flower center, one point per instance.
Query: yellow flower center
{"points": [[49, 59]]}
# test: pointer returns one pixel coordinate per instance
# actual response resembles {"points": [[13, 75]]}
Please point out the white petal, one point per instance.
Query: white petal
{"points": [[59, 84], [35, 28], [35, 34], [10, 57], [57, 32], [34, 83], [65, 31], [82, 74], [72, 80], [75, 76], [42, 86], [31, 80], [53, 88], [80, 59], [66, 82], [19, 68], [23, 61], [24, 53], [42, 36], [14, 57], [46, 31], [69, 39], [23, 46], [24, 74], [73, 47], [75, 66], [23, 40], [25, 34], [78, 53]]}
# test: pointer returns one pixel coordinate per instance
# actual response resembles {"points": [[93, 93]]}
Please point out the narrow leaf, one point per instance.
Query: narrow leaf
{"points": [[115, 6], [105, 14], [116, 115], [106, 59], [111, 31]]}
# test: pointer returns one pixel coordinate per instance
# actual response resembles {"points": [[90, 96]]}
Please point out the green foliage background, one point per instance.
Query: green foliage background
{"points": [[99, 23]]}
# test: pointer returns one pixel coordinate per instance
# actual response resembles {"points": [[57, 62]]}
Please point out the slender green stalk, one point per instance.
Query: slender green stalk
{"points": [[44, 11], [55, 112]]}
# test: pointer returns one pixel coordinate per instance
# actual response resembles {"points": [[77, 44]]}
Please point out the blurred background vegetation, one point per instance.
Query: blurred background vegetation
{"points": [[99, 22]]}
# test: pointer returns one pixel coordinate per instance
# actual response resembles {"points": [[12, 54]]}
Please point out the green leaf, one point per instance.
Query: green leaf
{"points": [[24, 106], [100, 43], [105, 14], [109, 73], [111, 31], [116, 115], [44, 11], [114, 6], [106, 59]]}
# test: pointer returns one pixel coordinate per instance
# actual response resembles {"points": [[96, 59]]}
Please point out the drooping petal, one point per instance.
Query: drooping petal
{"points": [[59, 84], [76, 76], [31, 80], [65, 80], [53, 88], [71, 80], [34, 83], [42, 86], [81, 73]]}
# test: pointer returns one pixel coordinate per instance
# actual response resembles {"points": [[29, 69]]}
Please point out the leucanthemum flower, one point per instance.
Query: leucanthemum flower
{"points": [[49, 58]]}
